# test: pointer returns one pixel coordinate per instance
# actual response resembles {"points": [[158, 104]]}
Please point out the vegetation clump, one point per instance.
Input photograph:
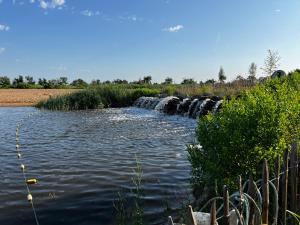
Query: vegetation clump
{"points": [[95, 98], [260, 124]]}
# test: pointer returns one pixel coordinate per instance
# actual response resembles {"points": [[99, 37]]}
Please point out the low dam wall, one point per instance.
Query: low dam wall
{"points": [[186, 107]]}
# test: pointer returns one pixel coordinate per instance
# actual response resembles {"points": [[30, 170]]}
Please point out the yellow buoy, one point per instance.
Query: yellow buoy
{"points": [[29, 197], [22, 167], [31, 181]]}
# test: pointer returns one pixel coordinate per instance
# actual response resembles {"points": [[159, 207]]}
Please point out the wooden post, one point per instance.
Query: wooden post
{"points": [[285, 186], [294, 178], [213, 214], [265, 192], [226, 206], [252, 193], [191, 220]]}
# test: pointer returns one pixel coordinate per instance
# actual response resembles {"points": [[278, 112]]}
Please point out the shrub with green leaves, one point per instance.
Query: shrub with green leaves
{"points": [[260, 124]]}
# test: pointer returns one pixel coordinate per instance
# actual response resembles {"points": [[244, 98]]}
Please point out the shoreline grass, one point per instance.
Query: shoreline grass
{"points": [[123, 95], [95, 98]]}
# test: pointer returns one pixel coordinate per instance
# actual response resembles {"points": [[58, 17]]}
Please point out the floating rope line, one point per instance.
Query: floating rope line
{"points": [[23, 169]]}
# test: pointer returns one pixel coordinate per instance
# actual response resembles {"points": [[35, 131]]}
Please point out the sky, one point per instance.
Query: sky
{"points": [[130, 39]]}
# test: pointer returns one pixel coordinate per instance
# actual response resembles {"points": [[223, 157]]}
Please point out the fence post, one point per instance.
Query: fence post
{"points": [[213, 214], [285, 185], [226, 206], [265, 192], [252, 194], [294, 177]]}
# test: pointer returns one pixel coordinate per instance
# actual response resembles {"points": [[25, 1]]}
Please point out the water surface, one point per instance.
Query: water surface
{"points": [[82, 159]]}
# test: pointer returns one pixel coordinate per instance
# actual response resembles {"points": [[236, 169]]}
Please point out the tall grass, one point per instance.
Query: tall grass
{"points": [[131, 211], [122, 95], [98, 97]]}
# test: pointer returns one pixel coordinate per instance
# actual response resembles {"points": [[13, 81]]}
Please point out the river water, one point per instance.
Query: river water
{"points": [[82, 159]]}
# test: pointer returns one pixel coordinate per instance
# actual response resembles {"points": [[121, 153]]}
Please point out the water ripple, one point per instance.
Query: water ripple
{"points": [[82, 159]]}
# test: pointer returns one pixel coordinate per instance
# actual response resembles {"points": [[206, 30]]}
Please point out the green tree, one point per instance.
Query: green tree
{"points": [[188, 81], [271, 62], [252, 72], [4, 81], [119, 81], [168, 80], [63, 81], [43, 82], [210, 81], [18, 80], [222, 76], [96, 82], [147, 80], [29, 80], [79, 83]]}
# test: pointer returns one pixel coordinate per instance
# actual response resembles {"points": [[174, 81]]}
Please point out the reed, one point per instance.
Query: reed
{"points": [[97, 97], [123, 95]]}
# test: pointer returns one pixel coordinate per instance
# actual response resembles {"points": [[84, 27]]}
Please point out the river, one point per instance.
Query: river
{"points": [[82, 159]]}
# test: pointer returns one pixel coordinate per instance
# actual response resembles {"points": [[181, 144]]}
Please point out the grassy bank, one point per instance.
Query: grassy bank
{"points": [[97, 97], [122, 95]]}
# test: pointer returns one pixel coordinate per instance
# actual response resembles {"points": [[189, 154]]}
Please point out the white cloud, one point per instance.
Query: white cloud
{"points": [[90, 13], [43, 4], [4, 27], [2, 50], [132, 18], [174, 29], [87, 13], [277, 10], [51, 4]]}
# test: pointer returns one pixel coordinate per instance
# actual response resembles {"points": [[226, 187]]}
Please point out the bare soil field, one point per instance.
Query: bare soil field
{"points": [[28, 97]]}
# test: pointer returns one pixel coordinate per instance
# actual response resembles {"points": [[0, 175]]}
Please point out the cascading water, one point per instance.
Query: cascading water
{"points": [[172, 105], [183, 107], [192, 107], [146, 102], [168, 105], [217, 106]]}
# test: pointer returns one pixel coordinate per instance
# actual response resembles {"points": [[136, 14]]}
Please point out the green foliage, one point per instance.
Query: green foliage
{"points": [[4, 82], [295, 216], [188, 81], [79, 83], [222, 76], [260, 124], [99, 97], [86, 99]]}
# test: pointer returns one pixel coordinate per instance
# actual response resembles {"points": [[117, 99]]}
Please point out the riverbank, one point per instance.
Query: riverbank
{"points": [[29, 97]]}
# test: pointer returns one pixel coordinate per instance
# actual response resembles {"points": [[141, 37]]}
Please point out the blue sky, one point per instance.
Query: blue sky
{"points": [[128, 39]]}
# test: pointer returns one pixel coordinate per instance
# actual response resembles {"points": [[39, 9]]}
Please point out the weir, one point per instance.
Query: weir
{"points": [[172, 105]]}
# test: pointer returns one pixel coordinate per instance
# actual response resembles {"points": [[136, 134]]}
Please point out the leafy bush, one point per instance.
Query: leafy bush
{"points": [[260, 124]]}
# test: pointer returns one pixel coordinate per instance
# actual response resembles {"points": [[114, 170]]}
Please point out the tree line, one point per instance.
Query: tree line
{"points": [[270, 65]]}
